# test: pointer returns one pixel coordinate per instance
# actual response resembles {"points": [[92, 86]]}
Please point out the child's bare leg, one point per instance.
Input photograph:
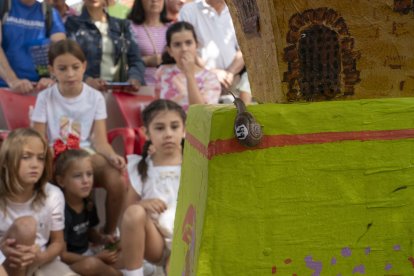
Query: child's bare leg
{"points": [[94, 266], [2, 271], [23, 230], [112, 180], [139, 238]]}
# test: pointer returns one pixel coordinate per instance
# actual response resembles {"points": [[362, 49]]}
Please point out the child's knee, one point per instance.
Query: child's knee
{"points": [[23, 230], [92, 265], [134, 215], [115, 185]]}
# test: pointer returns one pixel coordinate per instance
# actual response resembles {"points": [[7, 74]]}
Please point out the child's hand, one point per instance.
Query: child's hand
{"points": [[108, 257], [153, 205], [188, 63], [109, 239], [21, 256], [97, 83], [136, 84], [117, 161]]}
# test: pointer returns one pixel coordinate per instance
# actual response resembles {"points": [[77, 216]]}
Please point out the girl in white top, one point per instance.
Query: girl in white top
{"points": [[71, 108], [155, 181], [31, 210]]}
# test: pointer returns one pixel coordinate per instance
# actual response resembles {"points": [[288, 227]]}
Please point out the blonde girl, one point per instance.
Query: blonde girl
{"points": [[155, 179], [31, 209], [71, 108]]}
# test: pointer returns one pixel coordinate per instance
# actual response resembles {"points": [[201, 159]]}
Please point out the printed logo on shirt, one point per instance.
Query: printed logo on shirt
{"points": [[32, 24], [68, 125], [81, 228]]}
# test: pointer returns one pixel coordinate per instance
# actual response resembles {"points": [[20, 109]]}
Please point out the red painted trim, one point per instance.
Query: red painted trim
{"points": [[219, 147]]}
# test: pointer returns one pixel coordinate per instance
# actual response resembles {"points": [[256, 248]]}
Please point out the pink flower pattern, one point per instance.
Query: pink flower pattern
{"points": [[171, 84]]}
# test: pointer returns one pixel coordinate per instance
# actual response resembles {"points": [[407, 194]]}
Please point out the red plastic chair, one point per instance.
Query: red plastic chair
{"points": [[131, 106], [128, 138], [15, 108]]}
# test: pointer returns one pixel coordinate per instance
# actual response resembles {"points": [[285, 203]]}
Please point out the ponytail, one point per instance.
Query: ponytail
{"points": [[142, 165], [166, 58]]}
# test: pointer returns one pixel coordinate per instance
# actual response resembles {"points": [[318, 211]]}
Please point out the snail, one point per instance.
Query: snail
{"points": [[248, 132]]}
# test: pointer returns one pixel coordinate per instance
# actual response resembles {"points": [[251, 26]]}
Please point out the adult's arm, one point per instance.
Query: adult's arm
{"points": [[234, 68], [57, 31], [237, 64], [135, 63], [8, 75]]}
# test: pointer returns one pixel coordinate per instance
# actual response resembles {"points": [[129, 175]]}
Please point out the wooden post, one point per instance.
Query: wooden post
{"points": [[322, 50]]}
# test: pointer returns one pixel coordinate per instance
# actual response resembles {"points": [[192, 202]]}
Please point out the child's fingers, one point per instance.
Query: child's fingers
{"points": [[118, 162]]}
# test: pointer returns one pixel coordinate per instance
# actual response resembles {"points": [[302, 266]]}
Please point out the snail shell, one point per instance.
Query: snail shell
{"points": [[247, 131]]}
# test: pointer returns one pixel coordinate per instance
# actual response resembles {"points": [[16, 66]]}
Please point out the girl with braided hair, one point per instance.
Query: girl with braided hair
{"points": [[155, 179]]}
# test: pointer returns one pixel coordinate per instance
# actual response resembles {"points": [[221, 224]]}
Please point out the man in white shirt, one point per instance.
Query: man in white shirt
{"points": [[217, 38]]}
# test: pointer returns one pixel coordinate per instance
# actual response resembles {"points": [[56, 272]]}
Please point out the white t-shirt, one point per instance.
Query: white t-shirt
{"points": [[215, 33], [163, 182], [2, 258], [69, 115], [49, 217]]}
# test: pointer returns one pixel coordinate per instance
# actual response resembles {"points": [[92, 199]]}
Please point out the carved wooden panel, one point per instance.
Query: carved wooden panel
{"points": [[320, 63], [248, 15], [403, 6], [320, 56]]}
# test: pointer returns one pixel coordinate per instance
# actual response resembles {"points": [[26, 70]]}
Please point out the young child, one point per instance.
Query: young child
{"points": [[71, 108], [155, 180], [74, 174], [181, 78], [31, 210]]}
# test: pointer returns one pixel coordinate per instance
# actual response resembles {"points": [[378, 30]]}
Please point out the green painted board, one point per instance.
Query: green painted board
{"points": [[328, 192]]}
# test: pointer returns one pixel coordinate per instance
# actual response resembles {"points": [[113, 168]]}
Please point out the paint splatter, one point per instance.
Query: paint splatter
{"points": [[359, 269], [367, 250], [316, 266], [411, 259], [288, 261], [397, 247], [333, 261], [346, 252], [274, 269], [388, 267]]}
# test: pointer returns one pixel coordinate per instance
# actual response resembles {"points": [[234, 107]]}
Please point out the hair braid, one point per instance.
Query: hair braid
{"points": [[142, 165]]}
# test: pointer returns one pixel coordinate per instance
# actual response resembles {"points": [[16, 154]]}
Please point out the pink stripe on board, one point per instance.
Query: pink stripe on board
{"points": [[219, 147]]}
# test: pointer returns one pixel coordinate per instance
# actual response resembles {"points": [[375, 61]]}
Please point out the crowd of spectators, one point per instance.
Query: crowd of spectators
{"points": [[187, 51]]}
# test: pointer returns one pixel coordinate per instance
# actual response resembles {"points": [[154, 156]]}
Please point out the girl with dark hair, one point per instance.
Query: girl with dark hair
{"points": [[181, 78], [149, 24], [155, 180]]}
